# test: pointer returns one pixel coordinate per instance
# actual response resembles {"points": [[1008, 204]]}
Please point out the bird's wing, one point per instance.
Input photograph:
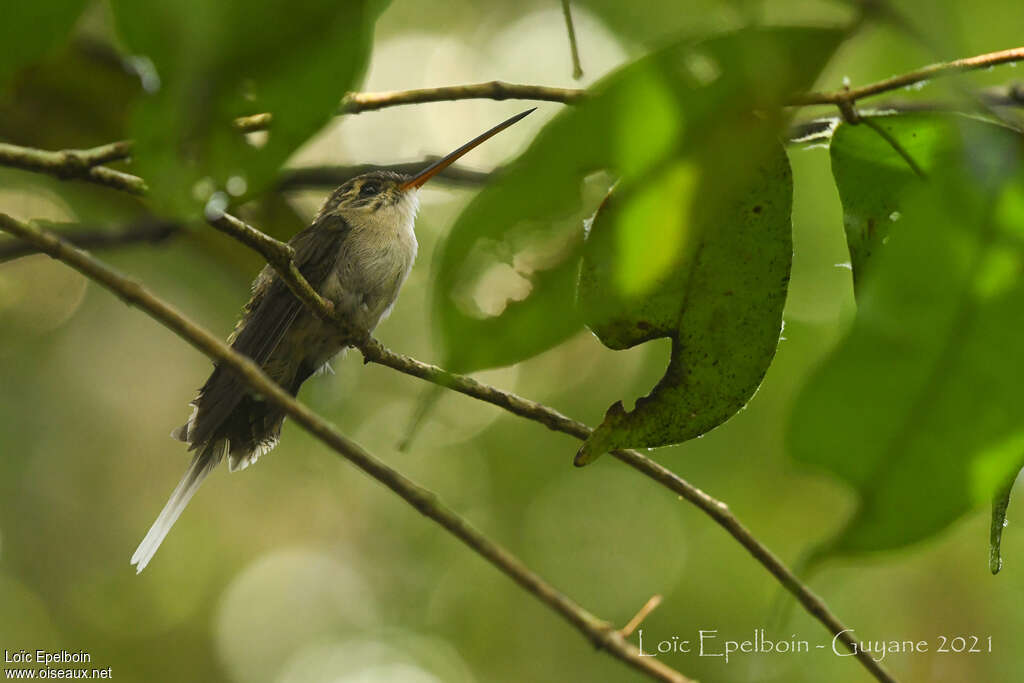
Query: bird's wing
{"points": [[268, 316]]}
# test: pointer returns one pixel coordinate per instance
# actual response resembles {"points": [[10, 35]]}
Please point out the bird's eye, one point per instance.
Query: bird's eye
{"points": [[369, 189]]}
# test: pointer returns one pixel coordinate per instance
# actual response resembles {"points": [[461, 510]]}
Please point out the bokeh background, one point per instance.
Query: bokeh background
{"points": [[302, 569]]}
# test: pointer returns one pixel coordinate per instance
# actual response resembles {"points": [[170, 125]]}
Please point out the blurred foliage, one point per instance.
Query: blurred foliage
{"points": [[700, 250], [710, 274], [23, 42], [204, 64], [916, 407], [874, 178], [635, 122], [300, 571]]}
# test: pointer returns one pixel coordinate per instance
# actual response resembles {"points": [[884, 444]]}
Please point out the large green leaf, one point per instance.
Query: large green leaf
{"points": [[700, 255], [206, 63], [918, 407], [634, 124], [30, 29], [873, 176]]}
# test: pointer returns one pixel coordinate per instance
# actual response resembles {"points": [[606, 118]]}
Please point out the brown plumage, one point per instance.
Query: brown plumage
{"points": [[356, 254]]}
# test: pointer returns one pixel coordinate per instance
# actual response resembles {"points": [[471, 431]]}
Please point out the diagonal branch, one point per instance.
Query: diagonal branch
{"points": [[602, 634], [281, 256], [151, 231], [375, 352], [278, 254]]}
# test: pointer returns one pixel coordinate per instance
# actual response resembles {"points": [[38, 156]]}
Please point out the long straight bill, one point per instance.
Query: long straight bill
{"points": [[438, 166]]}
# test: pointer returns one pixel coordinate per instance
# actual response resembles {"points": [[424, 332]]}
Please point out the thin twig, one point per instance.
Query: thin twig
{"points": [[80, 164], [280, 255], [276, 253], [84, 164], [598, 631], [639, 617], [375, 352], [930, 72], [577, 70], [357, 102], [979, 101], [151, 231], [902, 22]]}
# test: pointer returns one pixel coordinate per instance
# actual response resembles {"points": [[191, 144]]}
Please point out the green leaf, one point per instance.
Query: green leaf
{"points": [[872, 176], [917, 409], [636, 120], [1000, 501], [206, 63], [30, 30], [701, 254]]}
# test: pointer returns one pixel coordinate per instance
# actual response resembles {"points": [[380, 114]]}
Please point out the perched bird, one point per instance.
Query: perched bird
{"points": [[356, 254]]}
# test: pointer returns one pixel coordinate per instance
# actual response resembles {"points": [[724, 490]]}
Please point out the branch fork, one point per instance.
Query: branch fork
{"points": [[88, 165]]}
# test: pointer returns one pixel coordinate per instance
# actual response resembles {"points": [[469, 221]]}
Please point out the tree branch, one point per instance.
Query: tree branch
{"points": [[599, 632], [279, 254], [85, 164], [80, 164], [150, 231], [375, 352], [357, 102], [985, 100], [577, 69], [845, 96]]}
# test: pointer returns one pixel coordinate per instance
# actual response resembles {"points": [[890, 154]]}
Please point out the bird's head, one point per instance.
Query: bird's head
{"points": [[372, 196], [385, 195]]}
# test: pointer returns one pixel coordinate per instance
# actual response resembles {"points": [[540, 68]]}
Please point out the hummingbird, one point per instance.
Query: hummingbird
{"points": [[357, 253]]}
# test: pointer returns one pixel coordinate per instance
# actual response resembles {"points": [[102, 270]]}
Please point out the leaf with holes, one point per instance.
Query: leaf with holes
{"points": [[918, 407]]}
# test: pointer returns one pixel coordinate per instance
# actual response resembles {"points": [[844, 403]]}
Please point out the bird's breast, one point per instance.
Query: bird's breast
{"points": [[373, 262]]}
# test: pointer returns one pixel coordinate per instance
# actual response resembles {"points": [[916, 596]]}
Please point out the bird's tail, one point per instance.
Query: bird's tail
{"points": [[202, 464]]}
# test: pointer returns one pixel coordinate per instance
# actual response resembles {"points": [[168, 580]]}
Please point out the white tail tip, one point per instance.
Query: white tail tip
{"points": [[202, 464]]}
